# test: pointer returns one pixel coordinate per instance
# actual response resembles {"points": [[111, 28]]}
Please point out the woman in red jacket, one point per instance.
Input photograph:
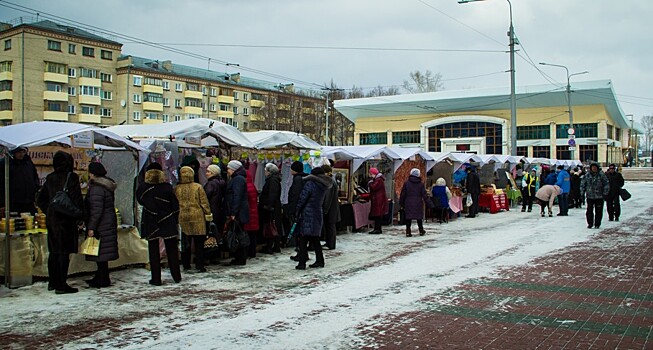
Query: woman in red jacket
{"points": [[252, 227], [378, 198]]}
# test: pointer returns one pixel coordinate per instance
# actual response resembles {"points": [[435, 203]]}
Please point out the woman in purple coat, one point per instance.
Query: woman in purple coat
{"points": [[412, 200], [379, 205]]}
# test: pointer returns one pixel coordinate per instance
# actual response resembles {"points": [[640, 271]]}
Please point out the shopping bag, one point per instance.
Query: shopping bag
{"points": [[270, 229], [624, 194], [90, 246], [470, 201]]}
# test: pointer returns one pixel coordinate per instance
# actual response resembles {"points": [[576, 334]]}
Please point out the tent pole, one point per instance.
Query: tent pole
{"points": [[7, 235]]}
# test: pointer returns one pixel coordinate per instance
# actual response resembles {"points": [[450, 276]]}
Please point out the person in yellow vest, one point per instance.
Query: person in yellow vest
{"points": [[528, 190]]}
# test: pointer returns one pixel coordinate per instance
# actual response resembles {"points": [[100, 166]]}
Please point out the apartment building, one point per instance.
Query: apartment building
{"points": [[55, 72]]}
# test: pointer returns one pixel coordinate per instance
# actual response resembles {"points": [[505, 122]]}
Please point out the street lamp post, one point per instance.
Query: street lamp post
{"points": [[513, 95], [571, 113]]}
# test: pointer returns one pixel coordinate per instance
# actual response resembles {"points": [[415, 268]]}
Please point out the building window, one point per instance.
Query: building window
{"points": [[522, 151], [166, 85], [5, 105], [57, 68], [178, 87], [137, 98], [581, 130], [203, 90], [235, 110], [235, 95], [89, 90], [213, 107], [192, 87], [214, 91], [617, 134], [5, 85], [588, 153], [8, 44], [490, 131], [533, 132], [563, 152], [257, 97], [5, 66], [88, 73], [71, 91], [166, 118], [153, 81], [405, 137], [55, 106], [177, 117], [138, 80], [54, 45], [177, 103], [88, 110], [193, 102], [71, 109], [152, 97], [224, 107], [374, 138], [610, 131], [53, 87], [105, 77], [107, 95], [106, 55], [105, 112], [136, 115], [166, 102], [152, 116], [541, 152], [88, 51], [245, 97], [245, 111], [72, 72], [72, 48]]}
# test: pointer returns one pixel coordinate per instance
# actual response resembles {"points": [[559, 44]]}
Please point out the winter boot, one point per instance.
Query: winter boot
{"points": [[408, 234], [550, 214], [542, 213]]}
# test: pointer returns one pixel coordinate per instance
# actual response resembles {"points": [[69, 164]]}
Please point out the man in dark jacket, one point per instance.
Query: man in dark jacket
{"points": [[23, 182], [564, 182], [160, 219], [574, 194], [595, 187], [298, 174], [331, 210], [237, 204], [616, 181], [474, 189], [309, 212]]}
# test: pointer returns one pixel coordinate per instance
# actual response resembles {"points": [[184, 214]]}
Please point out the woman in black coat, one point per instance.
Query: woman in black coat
{"points": [[160, 219], [62, 230], [269, 207], [216, 191], [309, 212], [238, 204], [412, 200], [101, 222]]}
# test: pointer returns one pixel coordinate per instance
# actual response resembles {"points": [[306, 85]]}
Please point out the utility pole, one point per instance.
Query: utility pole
{"points": [[326, 112]]}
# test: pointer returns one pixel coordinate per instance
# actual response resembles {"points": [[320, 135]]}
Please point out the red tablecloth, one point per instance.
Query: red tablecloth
{"points": [[494, 202]]}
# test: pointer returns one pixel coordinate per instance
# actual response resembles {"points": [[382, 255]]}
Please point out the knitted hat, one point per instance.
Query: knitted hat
{"points": [[327, 168], [234, 165], [214, 169], [297, 166], [317, 171], [154, 166], [97, 169], [374, 171], [415, 172]]}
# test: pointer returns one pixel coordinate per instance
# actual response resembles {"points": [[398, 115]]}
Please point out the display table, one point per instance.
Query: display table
{"points": [[361, 214], [513, 196], [493, 202], [456, 204], [29, 253]]}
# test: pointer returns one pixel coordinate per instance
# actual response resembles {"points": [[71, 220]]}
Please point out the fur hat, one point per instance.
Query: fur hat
{"points": [[234, 165], [317, 171], [97, 169], [297, 166], [374, 171], [415, 172], [214, 169]]}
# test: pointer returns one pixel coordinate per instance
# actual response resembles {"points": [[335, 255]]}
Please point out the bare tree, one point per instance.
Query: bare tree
{"points": [[647, 123], [381, 91], [424, 82], [356, 92]]}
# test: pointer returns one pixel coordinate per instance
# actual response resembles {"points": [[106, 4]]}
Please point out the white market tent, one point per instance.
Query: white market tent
{"points": [[267, 139], [407, 153], [359, 154]]}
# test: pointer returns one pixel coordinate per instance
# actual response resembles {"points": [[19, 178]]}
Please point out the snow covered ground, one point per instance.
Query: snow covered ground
{"points": [[268, 304]]}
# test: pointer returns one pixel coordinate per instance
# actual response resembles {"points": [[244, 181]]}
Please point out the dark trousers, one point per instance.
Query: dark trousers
{"points": [[303, 253], [613, 205], [473, 209], [527, 199], [377, 223], [101, 277], [155, 259], [198, 242], [543, 205], [251, 250], [563, 203], [420, 225], [58, 270], [594, 212], [329, 229]]}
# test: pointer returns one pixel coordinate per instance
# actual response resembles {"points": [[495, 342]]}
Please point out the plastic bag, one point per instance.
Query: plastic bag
{"points": [[90, 246]]}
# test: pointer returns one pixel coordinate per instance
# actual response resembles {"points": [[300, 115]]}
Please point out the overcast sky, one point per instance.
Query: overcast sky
{"points": [[464, 42]]}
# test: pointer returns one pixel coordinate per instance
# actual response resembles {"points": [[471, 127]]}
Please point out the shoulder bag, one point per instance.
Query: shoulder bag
{"points": [[62, 204]]}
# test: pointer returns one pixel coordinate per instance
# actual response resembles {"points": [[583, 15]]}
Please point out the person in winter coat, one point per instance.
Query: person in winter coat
{"points": [[297, 172], [574, 192], [62, 230], [546, 196], [253, 226], [101, 222], [473, 185], [594, 186], [194, 213], [612, 200], [441, 196], [378, 199], [159, 220], [412, 200], [309, 212], [529, 181], [563, 180], [269, 208], [24, 182], [331, 208], [237, 204], [551, 178], [216, 191]]}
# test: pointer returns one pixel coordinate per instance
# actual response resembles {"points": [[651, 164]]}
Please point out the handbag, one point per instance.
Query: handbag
{"points": [[624, 194], [62, 204], [270, 230], [402, 217], [210, 244], [235, 237], [90, 246]]}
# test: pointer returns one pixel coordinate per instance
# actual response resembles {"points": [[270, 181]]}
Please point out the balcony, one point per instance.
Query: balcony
{"points": [[152, 121], [226, 99], [193, 110], [153, 106], [256, 117], [308, 110], [55, 77], [6, 95], [90, 100], [90, 82], [6, 76], [55, 116], [90, 118], [283, 107], [153, 88], [55, 96], [225, 114], [6, 115], [193, 94], [257, 103]]}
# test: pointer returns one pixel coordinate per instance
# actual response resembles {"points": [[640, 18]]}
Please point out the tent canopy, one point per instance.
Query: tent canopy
{"points": [[407, 152], [280, 139], [359, 154]]}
